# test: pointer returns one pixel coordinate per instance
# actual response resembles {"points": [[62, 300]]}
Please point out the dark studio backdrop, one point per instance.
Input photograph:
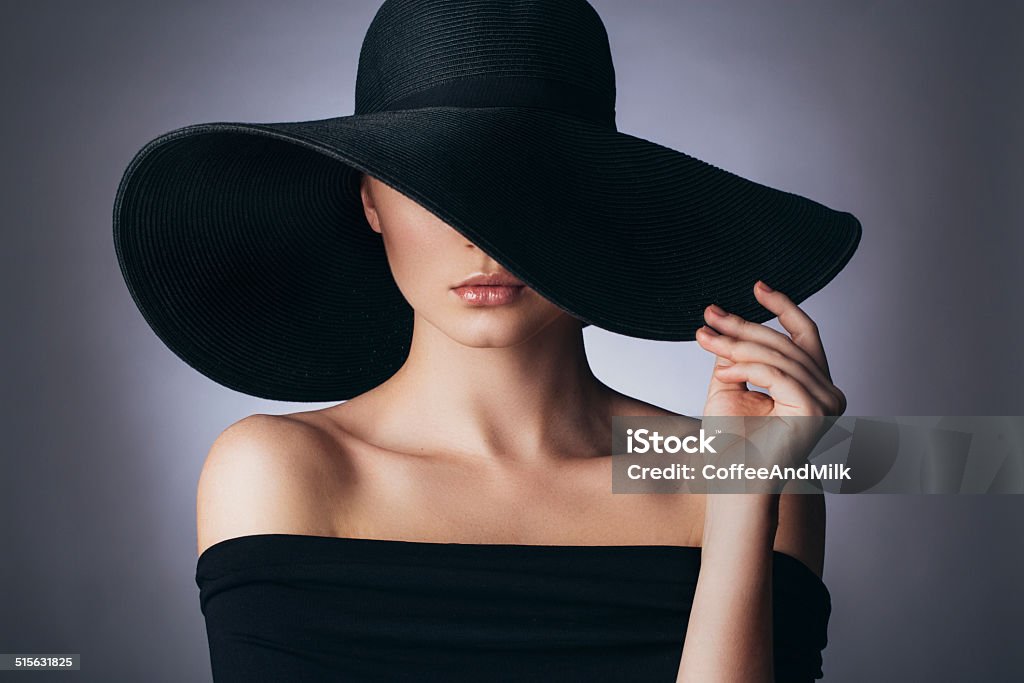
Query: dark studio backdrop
{"points": [[905, 113]]}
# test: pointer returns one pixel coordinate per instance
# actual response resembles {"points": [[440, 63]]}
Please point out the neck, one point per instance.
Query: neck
{"points": [[537, 400]]}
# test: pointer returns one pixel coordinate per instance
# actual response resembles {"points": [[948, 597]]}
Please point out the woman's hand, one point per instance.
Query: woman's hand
{"points": [[792, 368]]}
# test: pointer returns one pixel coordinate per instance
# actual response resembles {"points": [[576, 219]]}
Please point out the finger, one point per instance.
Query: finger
{"points": [[801, 328], [791, 398], [736, 326], [741, 350], [717, 384]]}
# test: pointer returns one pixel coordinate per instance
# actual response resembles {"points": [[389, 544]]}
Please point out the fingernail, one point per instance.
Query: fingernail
{"points": [[717, 310], [764, 286], [709, 331]]}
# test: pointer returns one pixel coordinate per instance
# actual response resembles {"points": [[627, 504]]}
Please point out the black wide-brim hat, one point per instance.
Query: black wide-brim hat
{"points": [[246, 247]]}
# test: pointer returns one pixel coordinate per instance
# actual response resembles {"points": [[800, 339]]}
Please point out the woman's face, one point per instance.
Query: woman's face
{"points": [[429, 259]]}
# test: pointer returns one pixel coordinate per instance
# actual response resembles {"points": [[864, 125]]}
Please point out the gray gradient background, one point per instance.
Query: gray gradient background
{"points": [[905, 113]]}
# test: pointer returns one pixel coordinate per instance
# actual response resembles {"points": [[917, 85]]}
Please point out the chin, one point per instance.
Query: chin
{"points": [[493, 329], [489, 334]]}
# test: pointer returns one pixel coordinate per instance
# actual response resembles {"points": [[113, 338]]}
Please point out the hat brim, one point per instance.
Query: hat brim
{"points": [[246, 248]]}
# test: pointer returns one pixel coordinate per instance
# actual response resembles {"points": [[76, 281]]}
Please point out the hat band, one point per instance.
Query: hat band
{"points": [[513, 91]]}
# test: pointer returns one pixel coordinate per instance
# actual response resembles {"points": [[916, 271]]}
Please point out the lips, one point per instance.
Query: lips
{"points": [[489, 289]]}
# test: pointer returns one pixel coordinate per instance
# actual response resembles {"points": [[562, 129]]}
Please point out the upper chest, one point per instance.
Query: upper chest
{"points": [[432, 497]]}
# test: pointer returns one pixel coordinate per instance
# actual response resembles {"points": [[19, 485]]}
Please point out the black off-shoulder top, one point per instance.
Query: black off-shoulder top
{"points": [[289, 607]]}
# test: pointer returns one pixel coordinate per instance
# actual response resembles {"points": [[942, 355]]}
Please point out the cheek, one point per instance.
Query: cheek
{"points": [[417, 256]]}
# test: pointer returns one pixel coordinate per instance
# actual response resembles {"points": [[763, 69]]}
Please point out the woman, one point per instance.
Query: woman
{"points": [[453, 519]]}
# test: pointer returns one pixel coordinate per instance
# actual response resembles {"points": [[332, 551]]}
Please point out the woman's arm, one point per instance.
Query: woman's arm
{"points": [[730, 632], [728, 637]]}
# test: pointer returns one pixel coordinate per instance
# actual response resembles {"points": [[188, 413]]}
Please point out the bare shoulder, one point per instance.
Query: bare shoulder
{"points": [[801, 531], [264, 474]]}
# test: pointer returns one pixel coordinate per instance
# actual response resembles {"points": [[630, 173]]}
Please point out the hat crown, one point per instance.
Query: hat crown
{"points": [[533, 53]]}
